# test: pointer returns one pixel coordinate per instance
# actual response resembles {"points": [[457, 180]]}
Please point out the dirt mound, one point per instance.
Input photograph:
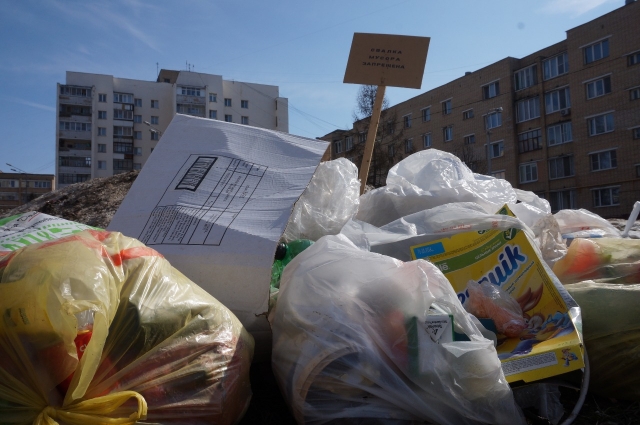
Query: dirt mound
{"points": [[93, 202]]}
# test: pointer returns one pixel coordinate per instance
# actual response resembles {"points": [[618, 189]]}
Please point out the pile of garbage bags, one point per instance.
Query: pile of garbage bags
{"points": [[98, 328]]}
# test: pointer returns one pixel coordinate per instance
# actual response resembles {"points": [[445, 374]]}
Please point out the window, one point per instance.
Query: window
{"points": [[102, 115], [137, 119], [74, 161], [122, 114], [102, 131], [137, 135], [75, 126], [426, 140], [137, 102], [228, 118], [406, 121], [76, 91], [155, 104], [600, 124], [530, 141], [155, 135], [362, 137], [102, 147], [603, 160], [562, 200], [555, 66], [596, 51], [561, 167], [498, 174], [599, 87], [190, 91], [557, 100], [633, 58], [447, 133], [155, 120], [137, 151], [102, 97], [227, 101], [68, 178], [606, 196], [467, 114], [213, 97], [637, 170], [528, 109], [635, 93], [122, 164], [490, 90], [122, 98], [121, 147], [391, 127], [526, 77], [470, 139], [493, 120], [408, 146], [636, 133], [426, 114], [348, 143], [559, 134], [244, 104], [391, 151], [213, 115], [337, 146], [41, 184], [496, 149], [528, 172], [244, 120], [102, 165], [122, 131], [446, 107], [137, 166]]}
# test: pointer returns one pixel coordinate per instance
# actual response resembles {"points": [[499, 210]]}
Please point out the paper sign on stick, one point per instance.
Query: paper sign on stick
{"points": [[387, 60]]}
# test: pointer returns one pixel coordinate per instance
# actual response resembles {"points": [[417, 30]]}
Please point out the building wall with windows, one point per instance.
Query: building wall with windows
{"points": [[19, 188], [101, 128], [569, 129]]}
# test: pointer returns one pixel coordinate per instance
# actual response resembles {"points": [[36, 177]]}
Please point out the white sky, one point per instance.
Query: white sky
{"points": [[301, 46]]}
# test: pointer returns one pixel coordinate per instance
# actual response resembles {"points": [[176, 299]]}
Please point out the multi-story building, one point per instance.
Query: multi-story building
{"points": [[563, 122], [19, 188], [108, 125]]}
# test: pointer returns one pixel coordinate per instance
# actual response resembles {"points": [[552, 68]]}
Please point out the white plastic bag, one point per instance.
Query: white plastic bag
{"points": [[352, 340], [584, 224], [329, 201]]}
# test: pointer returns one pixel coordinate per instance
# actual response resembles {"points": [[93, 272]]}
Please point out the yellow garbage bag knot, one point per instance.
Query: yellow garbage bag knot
{"points": [[95, 411]]}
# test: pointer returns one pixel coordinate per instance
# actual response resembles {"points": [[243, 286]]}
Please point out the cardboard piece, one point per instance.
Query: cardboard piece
{"points": [[550, 345], [387, 60], [214, 199]]}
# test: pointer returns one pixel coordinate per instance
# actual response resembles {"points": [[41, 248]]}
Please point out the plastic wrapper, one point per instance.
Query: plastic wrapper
{"points": [[354, 341], [329, 201], [611, 324], [432, 178], [98, 328], [610, 260], [489, 301], [584, 224]]}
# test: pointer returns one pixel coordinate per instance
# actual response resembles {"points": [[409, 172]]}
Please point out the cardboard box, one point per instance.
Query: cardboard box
{"points": [[551, 344], [214, 199]]}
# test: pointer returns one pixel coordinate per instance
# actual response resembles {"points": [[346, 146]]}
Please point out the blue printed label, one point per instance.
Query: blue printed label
{"points": [[426, 251]]}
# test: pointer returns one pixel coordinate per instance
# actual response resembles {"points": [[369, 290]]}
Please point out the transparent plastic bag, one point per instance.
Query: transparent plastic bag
{"points": [[584, 224], [329, 201], [100, 328], [351, 342], [489, 301]]}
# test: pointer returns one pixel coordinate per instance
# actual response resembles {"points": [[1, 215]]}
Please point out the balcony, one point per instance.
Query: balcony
{"points": [[74, 161], [195, 110], [67, 111], [122, 165], [119, 147], [77, 145], [191, 100], [75, 95]]}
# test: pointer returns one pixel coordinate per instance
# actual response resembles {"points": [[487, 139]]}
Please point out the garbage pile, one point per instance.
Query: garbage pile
{"points": [[99, 328]]}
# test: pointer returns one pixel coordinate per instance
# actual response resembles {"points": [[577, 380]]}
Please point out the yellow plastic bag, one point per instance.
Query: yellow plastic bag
{"points": [[99, 329]]}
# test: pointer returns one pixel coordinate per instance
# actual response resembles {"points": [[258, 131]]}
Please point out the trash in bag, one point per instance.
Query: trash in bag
{"points": [[364, 338], [611, 321], [584, 224], [99, 328], [432, 178], [466, 243], [489, 301], [610, 260], [328, 202]]}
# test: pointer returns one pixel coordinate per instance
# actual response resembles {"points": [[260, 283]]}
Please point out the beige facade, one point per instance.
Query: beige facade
{"points": [[108, 125], [569, 124], [19, 188]]}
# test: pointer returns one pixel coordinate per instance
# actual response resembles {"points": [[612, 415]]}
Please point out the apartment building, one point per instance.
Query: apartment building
{"points": [[563, 122], [19, 188], [108, 125]]}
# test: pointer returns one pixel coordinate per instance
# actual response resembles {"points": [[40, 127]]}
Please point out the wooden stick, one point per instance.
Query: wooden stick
{"points": [[371, 138]]}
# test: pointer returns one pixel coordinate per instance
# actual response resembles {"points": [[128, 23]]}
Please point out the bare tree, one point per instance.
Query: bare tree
{"points": [[469, 155], [389, 146]]}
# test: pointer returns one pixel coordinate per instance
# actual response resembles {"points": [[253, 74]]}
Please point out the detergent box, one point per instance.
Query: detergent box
{"points": [[550, 344]]}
